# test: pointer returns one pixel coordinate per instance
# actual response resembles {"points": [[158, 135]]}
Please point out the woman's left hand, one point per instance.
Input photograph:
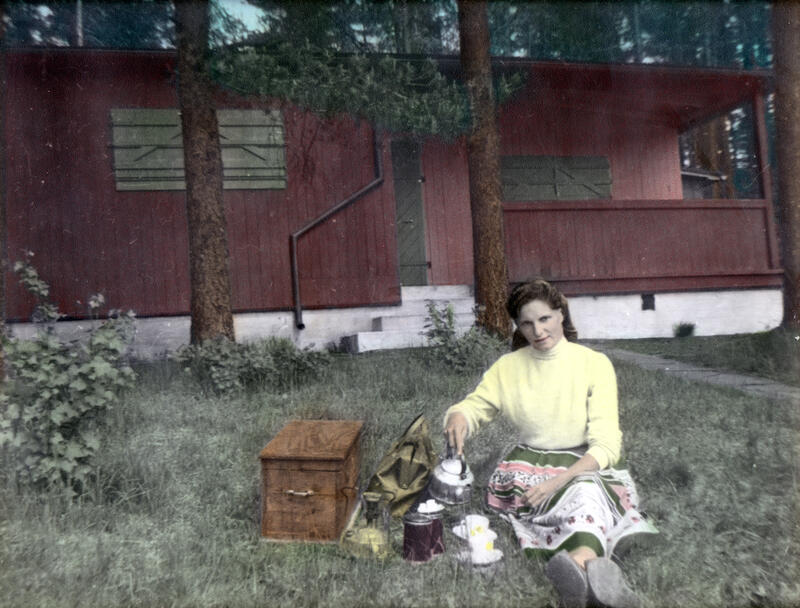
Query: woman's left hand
{"points": [[535, 495]]}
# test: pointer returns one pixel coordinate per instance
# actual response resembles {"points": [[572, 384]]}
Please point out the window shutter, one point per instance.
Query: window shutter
{"points": [[538, 178], [148, 149]]}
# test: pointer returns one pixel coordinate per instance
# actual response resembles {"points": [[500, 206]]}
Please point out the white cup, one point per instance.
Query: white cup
{"points": [[481, 545], [476, 525]]}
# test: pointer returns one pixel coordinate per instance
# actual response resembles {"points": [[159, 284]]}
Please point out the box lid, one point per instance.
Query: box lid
{"points": [[314, 440]]}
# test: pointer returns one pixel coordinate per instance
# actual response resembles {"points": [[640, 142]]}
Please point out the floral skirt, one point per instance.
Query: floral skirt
{"points": [[597, 509]]}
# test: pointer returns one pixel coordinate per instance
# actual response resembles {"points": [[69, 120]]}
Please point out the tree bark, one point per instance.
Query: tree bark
{"points": [[483, 160], [2, 184], [786, 48], [208, 244]]}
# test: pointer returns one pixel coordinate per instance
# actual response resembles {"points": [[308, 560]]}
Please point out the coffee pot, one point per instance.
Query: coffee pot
{"points": [[370, 537], [451, 480]]}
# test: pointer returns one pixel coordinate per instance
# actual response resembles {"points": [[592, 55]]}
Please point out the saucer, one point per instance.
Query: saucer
{"points": [[491, 557], [460, 530], [487, 558]]}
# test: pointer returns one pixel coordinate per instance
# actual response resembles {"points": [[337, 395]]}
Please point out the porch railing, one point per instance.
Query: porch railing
{"points": [[603, 246]]}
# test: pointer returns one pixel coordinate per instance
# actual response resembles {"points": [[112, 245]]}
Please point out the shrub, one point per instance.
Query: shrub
{"points": [[44, 312], [53, 406], [468, 353], [683, 330], [225, 367]]}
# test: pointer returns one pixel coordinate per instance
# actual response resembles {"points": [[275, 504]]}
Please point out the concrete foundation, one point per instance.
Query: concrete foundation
{"points": [[359, 329], [711, 312]]}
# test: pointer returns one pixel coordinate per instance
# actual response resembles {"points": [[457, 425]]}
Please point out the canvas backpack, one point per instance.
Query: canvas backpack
{"points": [[404, 470]]}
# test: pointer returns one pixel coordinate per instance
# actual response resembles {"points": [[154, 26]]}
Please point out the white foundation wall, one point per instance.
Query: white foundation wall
{"points": [[595, 317], [711, 312], [157, 336]]}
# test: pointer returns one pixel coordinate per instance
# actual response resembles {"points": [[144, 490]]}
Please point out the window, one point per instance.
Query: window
{"points": [[547, 178], [719, 158], [148, 149]]}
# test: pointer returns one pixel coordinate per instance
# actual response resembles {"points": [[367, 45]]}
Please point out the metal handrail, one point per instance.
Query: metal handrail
{"points": [[295, 236]]}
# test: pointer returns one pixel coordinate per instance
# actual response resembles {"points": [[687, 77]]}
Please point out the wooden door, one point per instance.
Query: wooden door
{"points": [[413, 262]]}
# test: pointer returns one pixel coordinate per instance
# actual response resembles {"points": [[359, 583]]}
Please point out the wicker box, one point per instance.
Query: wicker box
{"points": [[309, 479]]}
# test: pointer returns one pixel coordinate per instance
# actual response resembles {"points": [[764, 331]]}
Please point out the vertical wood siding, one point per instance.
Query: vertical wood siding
{"points": [[644, 237], [644, 165], [635, 244], [133, 246]]}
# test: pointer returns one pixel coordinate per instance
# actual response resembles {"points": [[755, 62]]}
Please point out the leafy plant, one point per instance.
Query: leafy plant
{"points": [[53, 406], [44, 311], [467, 353], [225, 367]]}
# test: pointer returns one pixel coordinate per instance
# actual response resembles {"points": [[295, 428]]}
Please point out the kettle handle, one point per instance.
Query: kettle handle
{"points": [[450, 454]]}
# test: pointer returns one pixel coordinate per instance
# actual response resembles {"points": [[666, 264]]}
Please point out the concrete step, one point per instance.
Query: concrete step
{"points": [[365, 341], [435, 292], [412, 322], [404, 326], [420, 307]]}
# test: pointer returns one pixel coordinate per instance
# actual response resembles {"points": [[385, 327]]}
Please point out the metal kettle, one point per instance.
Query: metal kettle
{"points": [[451, 480]]}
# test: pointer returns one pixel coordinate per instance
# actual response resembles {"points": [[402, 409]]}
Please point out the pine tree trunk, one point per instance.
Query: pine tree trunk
{"points": [[400, 17], [2, 183], [491, 278], [208, 244], [786, 48]]}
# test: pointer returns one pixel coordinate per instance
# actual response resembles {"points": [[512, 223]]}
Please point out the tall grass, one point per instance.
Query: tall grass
{"points": [[772, 354], [174, 517]]}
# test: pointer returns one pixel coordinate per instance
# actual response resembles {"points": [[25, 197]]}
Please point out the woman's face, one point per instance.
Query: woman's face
{"points": [[540, 324]]}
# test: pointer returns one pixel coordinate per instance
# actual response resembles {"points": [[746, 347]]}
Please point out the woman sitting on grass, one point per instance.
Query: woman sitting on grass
{"points": [[557, 487]]}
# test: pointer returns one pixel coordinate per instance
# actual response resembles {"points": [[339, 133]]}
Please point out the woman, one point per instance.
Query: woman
{"points": [[563, 487]]}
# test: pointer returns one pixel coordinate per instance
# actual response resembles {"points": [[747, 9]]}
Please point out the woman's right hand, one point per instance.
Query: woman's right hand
{"points": [[455, 431]]}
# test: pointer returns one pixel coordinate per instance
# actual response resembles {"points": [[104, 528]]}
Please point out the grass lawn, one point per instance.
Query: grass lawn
{"points": [[174, 519], [774, 354]]}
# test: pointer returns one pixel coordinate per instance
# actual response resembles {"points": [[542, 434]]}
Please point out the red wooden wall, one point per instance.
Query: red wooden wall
{"points": [[644, 239], [132, 246], [653, 245]]}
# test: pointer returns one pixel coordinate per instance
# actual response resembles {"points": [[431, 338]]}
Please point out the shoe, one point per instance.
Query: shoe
{"points": [[569, 579], [607, 586]]}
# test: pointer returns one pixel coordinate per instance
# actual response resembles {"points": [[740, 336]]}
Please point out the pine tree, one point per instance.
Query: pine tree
{"points": [[786, 46], [483, 159], [2, 182], [208, 246]]}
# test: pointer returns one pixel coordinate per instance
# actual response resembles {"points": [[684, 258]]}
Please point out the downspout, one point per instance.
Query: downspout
{"points": [[295, 236]]}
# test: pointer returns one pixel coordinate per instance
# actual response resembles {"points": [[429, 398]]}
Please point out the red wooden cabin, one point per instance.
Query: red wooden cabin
{"points": [[91, 231]]}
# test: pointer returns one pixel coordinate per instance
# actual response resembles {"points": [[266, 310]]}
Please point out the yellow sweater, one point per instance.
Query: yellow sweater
{"points": [[561, 398]]}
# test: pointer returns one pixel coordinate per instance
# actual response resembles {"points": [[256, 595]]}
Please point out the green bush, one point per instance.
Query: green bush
{"points": [[683, 330], [44, 312], [225, 367], [471, 352], [53, 405]]}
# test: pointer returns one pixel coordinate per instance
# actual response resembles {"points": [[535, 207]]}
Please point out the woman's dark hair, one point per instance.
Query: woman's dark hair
{"points": [[538, 289]]}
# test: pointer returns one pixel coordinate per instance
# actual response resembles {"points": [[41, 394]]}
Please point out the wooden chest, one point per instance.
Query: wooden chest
{"points": [[309, 479]]}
